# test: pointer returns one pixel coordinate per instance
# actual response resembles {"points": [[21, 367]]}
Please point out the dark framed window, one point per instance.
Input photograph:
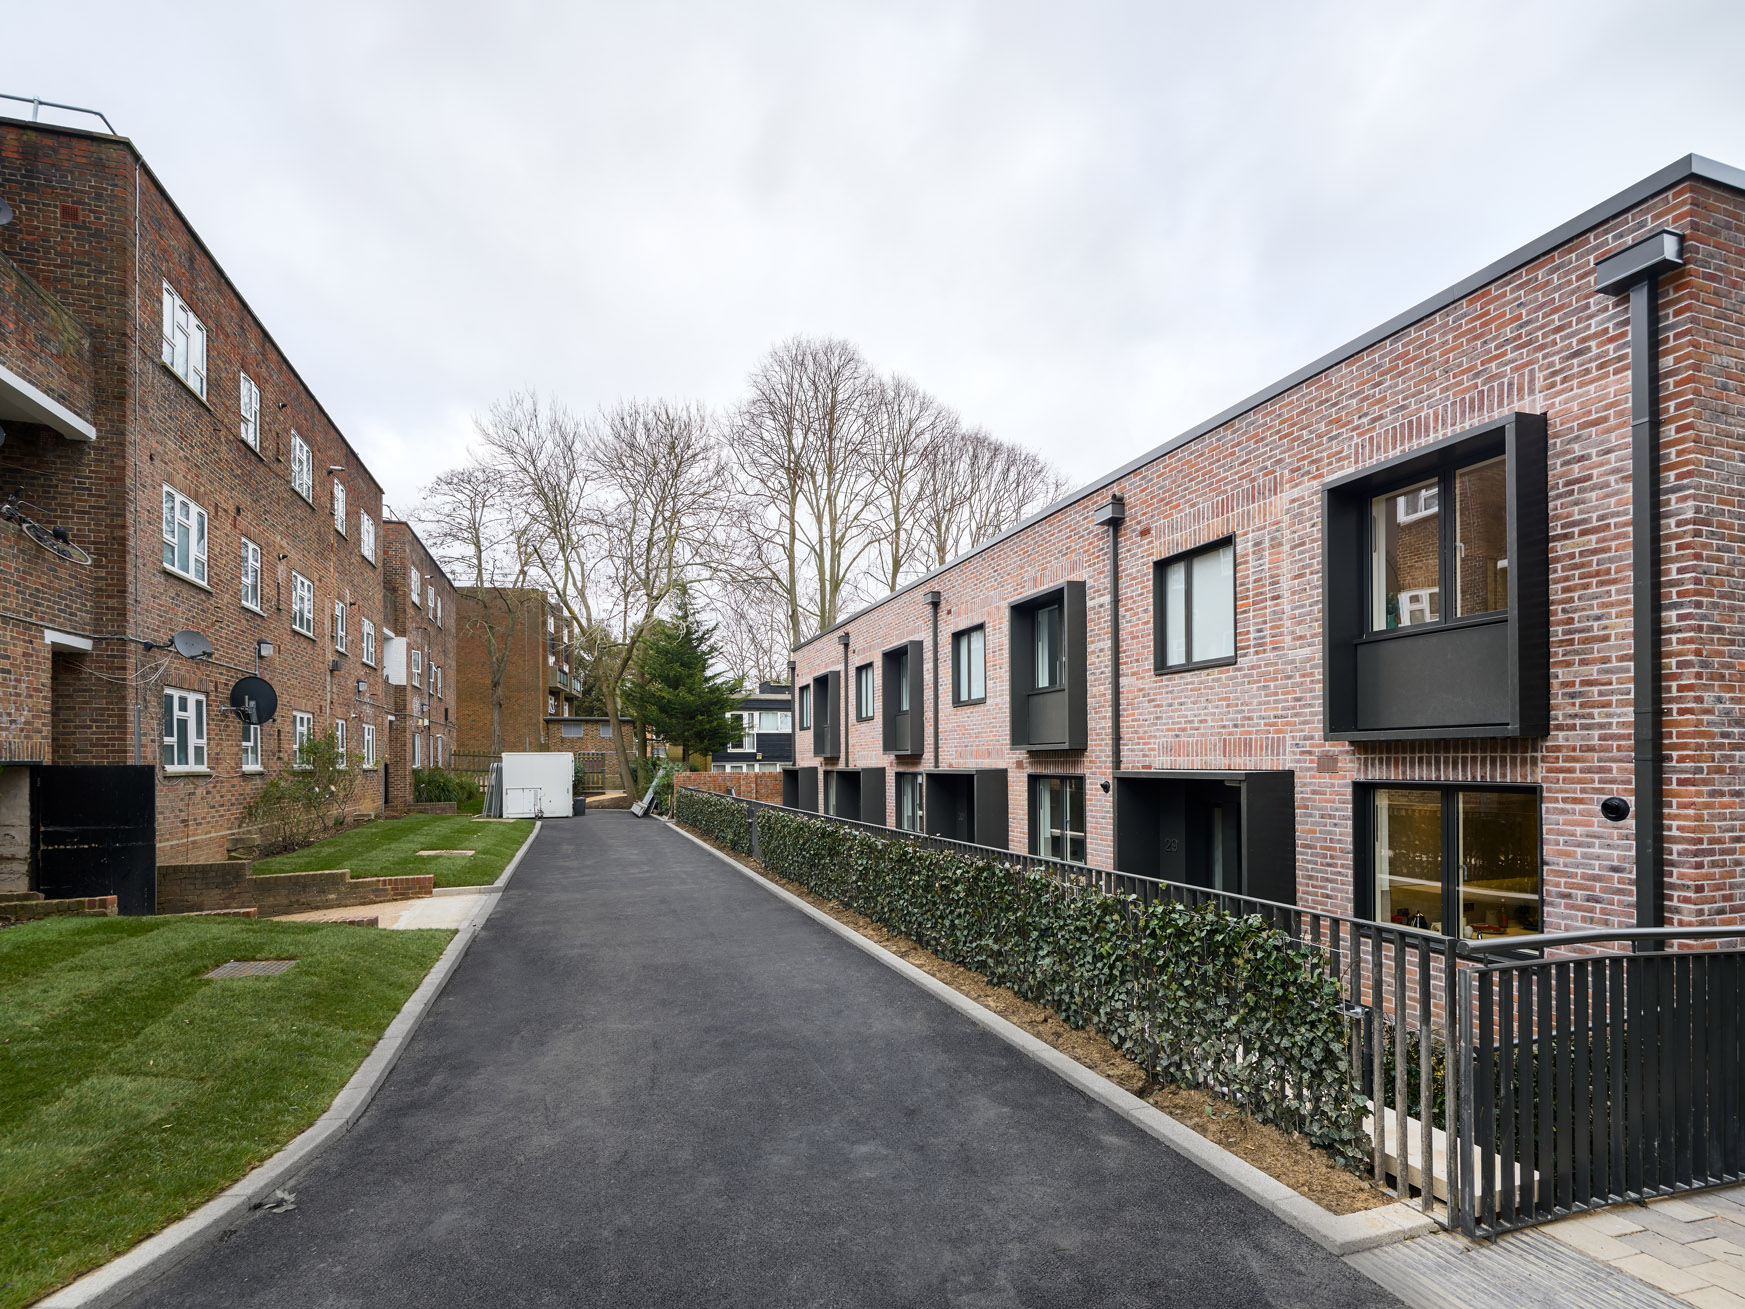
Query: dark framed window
{"points": [[1430, 566], [863, 693], [1047, 671], [969, 666], [1048, 668], [1057, 818], [803, 707], [1460, 860], [904, 727], [909, 792], [1193, 608]]}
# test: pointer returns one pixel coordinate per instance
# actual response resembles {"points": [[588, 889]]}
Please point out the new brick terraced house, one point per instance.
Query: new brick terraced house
{"points": [[149, 413], [1446, 628]]}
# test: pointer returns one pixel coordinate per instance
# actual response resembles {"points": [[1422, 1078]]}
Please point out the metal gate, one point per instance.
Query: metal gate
{"points": [[94, 832], [1598, 1079]]}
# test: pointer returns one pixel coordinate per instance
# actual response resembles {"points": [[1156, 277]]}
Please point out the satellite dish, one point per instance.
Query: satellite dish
{"points": [[5, 212], [191, 645], [254, 700]]}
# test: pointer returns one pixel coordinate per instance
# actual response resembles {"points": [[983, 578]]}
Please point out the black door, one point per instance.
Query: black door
{"points": [[94, 830]]}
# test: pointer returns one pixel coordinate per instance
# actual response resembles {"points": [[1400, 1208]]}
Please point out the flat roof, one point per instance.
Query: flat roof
{"points": [[1680, 170]]}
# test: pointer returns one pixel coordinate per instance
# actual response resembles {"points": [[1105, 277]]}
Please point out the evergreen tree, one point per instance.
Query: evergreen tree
{"points": [[674, 692]]}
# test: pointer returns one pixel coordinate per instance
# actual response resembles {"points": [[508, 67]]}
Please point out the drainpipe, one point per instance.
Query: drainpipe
{"points": [[793, 718], [842, 712], [1635, 271], [932, 598], [1112, 516]]}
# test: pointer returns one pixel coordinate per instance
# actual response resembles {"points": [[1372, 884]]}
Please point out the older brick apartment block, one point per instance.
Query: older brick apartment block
{"points": [[421, 608], [541, 674], [149, 413], [1381, 638]]}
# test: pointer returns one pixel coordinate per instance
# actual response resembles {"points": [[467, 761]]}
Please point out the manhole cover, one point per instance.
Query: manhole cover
{"points": [[251, 968]]}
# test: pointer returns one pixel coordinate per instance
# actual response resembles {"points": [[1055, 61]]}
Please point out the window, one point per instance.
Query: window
{"points": [[1046, 680], [302, 604], [969, 666], [748, 737], [338, 506], [184, 537], [339, 740], [184, 342], [251, 412], [430, 598], [439, 611], [369, 745], [413, 580], [1410, 558], [909, 801], [436, 751], [606, 728], [418, 669], [302, 728], [1454, 857], [436, 680], [551, 703], [417, 750], [251, 575], [770, 720], [1057, 818], [863, 693], [302, 469], [1194, 609], [339, 626], [902, 675], [184, 730], [1050, 666], [804, 707], [369, 639], [251, 747]]}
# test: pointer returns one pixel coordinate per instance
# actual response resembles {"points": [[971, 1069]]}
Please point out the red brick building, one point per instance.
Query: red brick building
{"points": [[150, 414], [421, 611], [542, 669], [1374, 639]]}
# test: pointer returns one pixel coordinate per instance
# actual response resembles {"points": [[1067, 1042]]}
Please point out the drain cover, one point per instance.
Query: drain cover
{"points": [[251, 968]]}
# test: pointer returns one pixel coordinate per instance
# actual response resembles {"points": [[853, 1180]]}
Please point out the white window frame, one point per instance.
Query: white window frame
{"points": [[249, 403], [302, 604], [339, 506], [302, 468], [179, 510], [184, 342], [369, 642], [250, 583], [369, 745], [430, 597], [251, 748], [436, 680], [417, 750], [339, 740], [416, 581], [184, 755], [435, 750], [417, 659], [439, 611], [339, 626], [302, 729], [366, 532], [748, 732]]}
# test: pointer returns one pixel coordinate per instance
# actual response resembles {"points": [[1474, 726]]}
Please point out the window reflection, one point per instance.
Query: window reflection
{"points": [[1499, 863], [1407, 565], [1481, 550], [1408, 857]]}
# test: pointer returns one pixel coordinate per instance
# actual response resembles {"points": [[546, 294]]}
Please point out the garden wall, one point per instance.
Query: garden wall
{"points": [[195, 888]]}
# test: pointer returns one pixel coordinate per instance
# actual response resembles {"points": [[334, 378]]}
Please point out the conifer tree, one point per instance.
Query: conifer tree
{"points": [[674, 692]]}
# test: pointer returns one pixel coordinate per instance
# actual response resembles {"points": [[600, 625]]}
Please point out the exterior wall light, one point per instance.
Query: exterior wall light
{"points": [[263, 649]]}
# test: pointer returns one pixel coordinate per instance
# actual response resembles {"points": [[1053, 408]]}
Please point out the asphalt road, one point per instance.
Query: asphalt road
{"points": [[652, 1083]]}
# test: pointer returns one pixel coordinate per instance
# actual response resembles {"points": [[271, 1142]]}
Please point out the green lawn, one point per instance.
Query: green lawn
{"points": [[132, 1091], [389, 847]]}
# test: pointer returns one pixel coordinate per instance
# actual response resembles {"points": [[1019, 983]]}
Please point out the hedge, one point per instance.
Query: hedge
{"points": [[1199, 997]]}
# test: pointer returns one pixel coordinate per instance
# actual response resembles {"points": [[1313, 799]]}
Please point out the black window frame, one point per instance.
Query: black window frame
{"points": [[1034, 787], [803, 708], [958, 699], [1363, 840], [904, 730], [1053, 718], [1447, 547], [919, 780], [871, 707], [1159, 605]]}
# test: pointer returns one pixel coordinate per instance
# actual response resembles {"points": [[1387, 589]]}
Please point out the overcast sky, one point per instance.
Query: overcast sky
{"points": [[1088, 226]]}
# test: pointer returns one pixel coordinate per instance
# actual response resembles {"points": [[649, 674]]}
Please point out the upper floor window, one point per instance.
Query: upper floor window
{"points": [[369, 640], [1050, 664], [184, 342], [413, 580], [251, 412], [969, 666], [804, 707], [551, 702], [339, 626], [430, 598], [439, 611], [251, 575], [366, 537], [1413, 561], [417, 657], [302, 729], [1046, 681], [184, 536], [251, 748], [184, 729], [339, 741], [302, 468], [339, 506], [748, 736], [302, 604], [863, 692], [1194, 608], [436, 680]]}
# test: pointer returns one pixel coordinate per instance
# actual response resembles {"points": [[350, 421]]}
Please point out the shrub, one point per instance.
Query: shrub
{"points": [[295, 805], [1196, 996], [434, 785]]}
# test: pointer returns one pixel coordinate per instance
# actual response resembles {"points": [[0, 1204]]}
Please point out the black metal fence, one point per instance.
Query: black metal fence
{"points": [[1511, 1080]]}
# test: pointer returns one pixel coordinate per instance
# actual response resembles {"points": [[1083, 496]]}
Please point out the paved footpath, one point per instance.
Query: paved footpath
{"points": [[651, 1082]]}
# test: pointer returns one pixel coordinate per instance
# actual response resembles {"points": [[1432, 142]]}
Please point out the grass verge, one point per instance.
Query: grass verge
{"points": [[1286, 1156], [132, 1091], [389, 847]]}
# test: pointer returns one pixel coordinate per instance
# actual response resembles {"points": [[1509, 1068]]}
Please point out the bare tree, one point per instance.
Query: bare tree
{"points": [[751, 624], [910, 429], [974, 488]]}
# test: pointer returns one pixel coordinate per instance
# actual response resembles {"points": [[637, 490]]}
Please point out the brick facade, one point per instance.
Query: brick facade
{"points": [[83, 268], [422, 731], [766, 787], [1531, 338], [541, 671]]}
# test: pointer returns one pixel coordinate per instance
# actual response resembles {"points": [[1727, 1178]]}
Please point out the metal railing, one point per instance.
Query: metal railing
{"points": [[1514, 1079], [37, 105]]}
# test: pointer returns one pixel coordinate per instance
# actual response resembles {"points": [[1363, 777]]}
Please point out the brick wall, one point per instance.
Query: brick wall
{"points": [[428, 621], [750, 786], [1537, 339], [51, 347], [202, 887]]}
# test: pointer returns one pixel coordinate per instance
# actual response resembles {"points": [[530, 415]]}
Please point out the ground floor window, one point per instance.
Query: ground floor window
{"points": [[302, 728], [417, 750], [1453, 859], [909, 801], [339, 740], [369, 745], [1057, 818]]}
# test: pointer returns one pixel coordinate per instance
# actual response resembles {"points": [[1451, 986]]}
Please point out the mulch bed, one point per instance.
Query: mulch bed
{"points": [[1287, 1156]]}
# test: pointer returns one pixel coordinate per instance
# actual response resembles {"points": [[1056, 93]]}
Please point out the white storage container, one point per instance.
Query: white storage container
{"points": [[537, 784]]}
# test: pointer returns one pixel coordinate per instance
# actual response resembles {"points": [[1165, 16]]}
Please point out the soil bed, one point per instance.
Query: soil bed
{"points": [[1287, 1156]]}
